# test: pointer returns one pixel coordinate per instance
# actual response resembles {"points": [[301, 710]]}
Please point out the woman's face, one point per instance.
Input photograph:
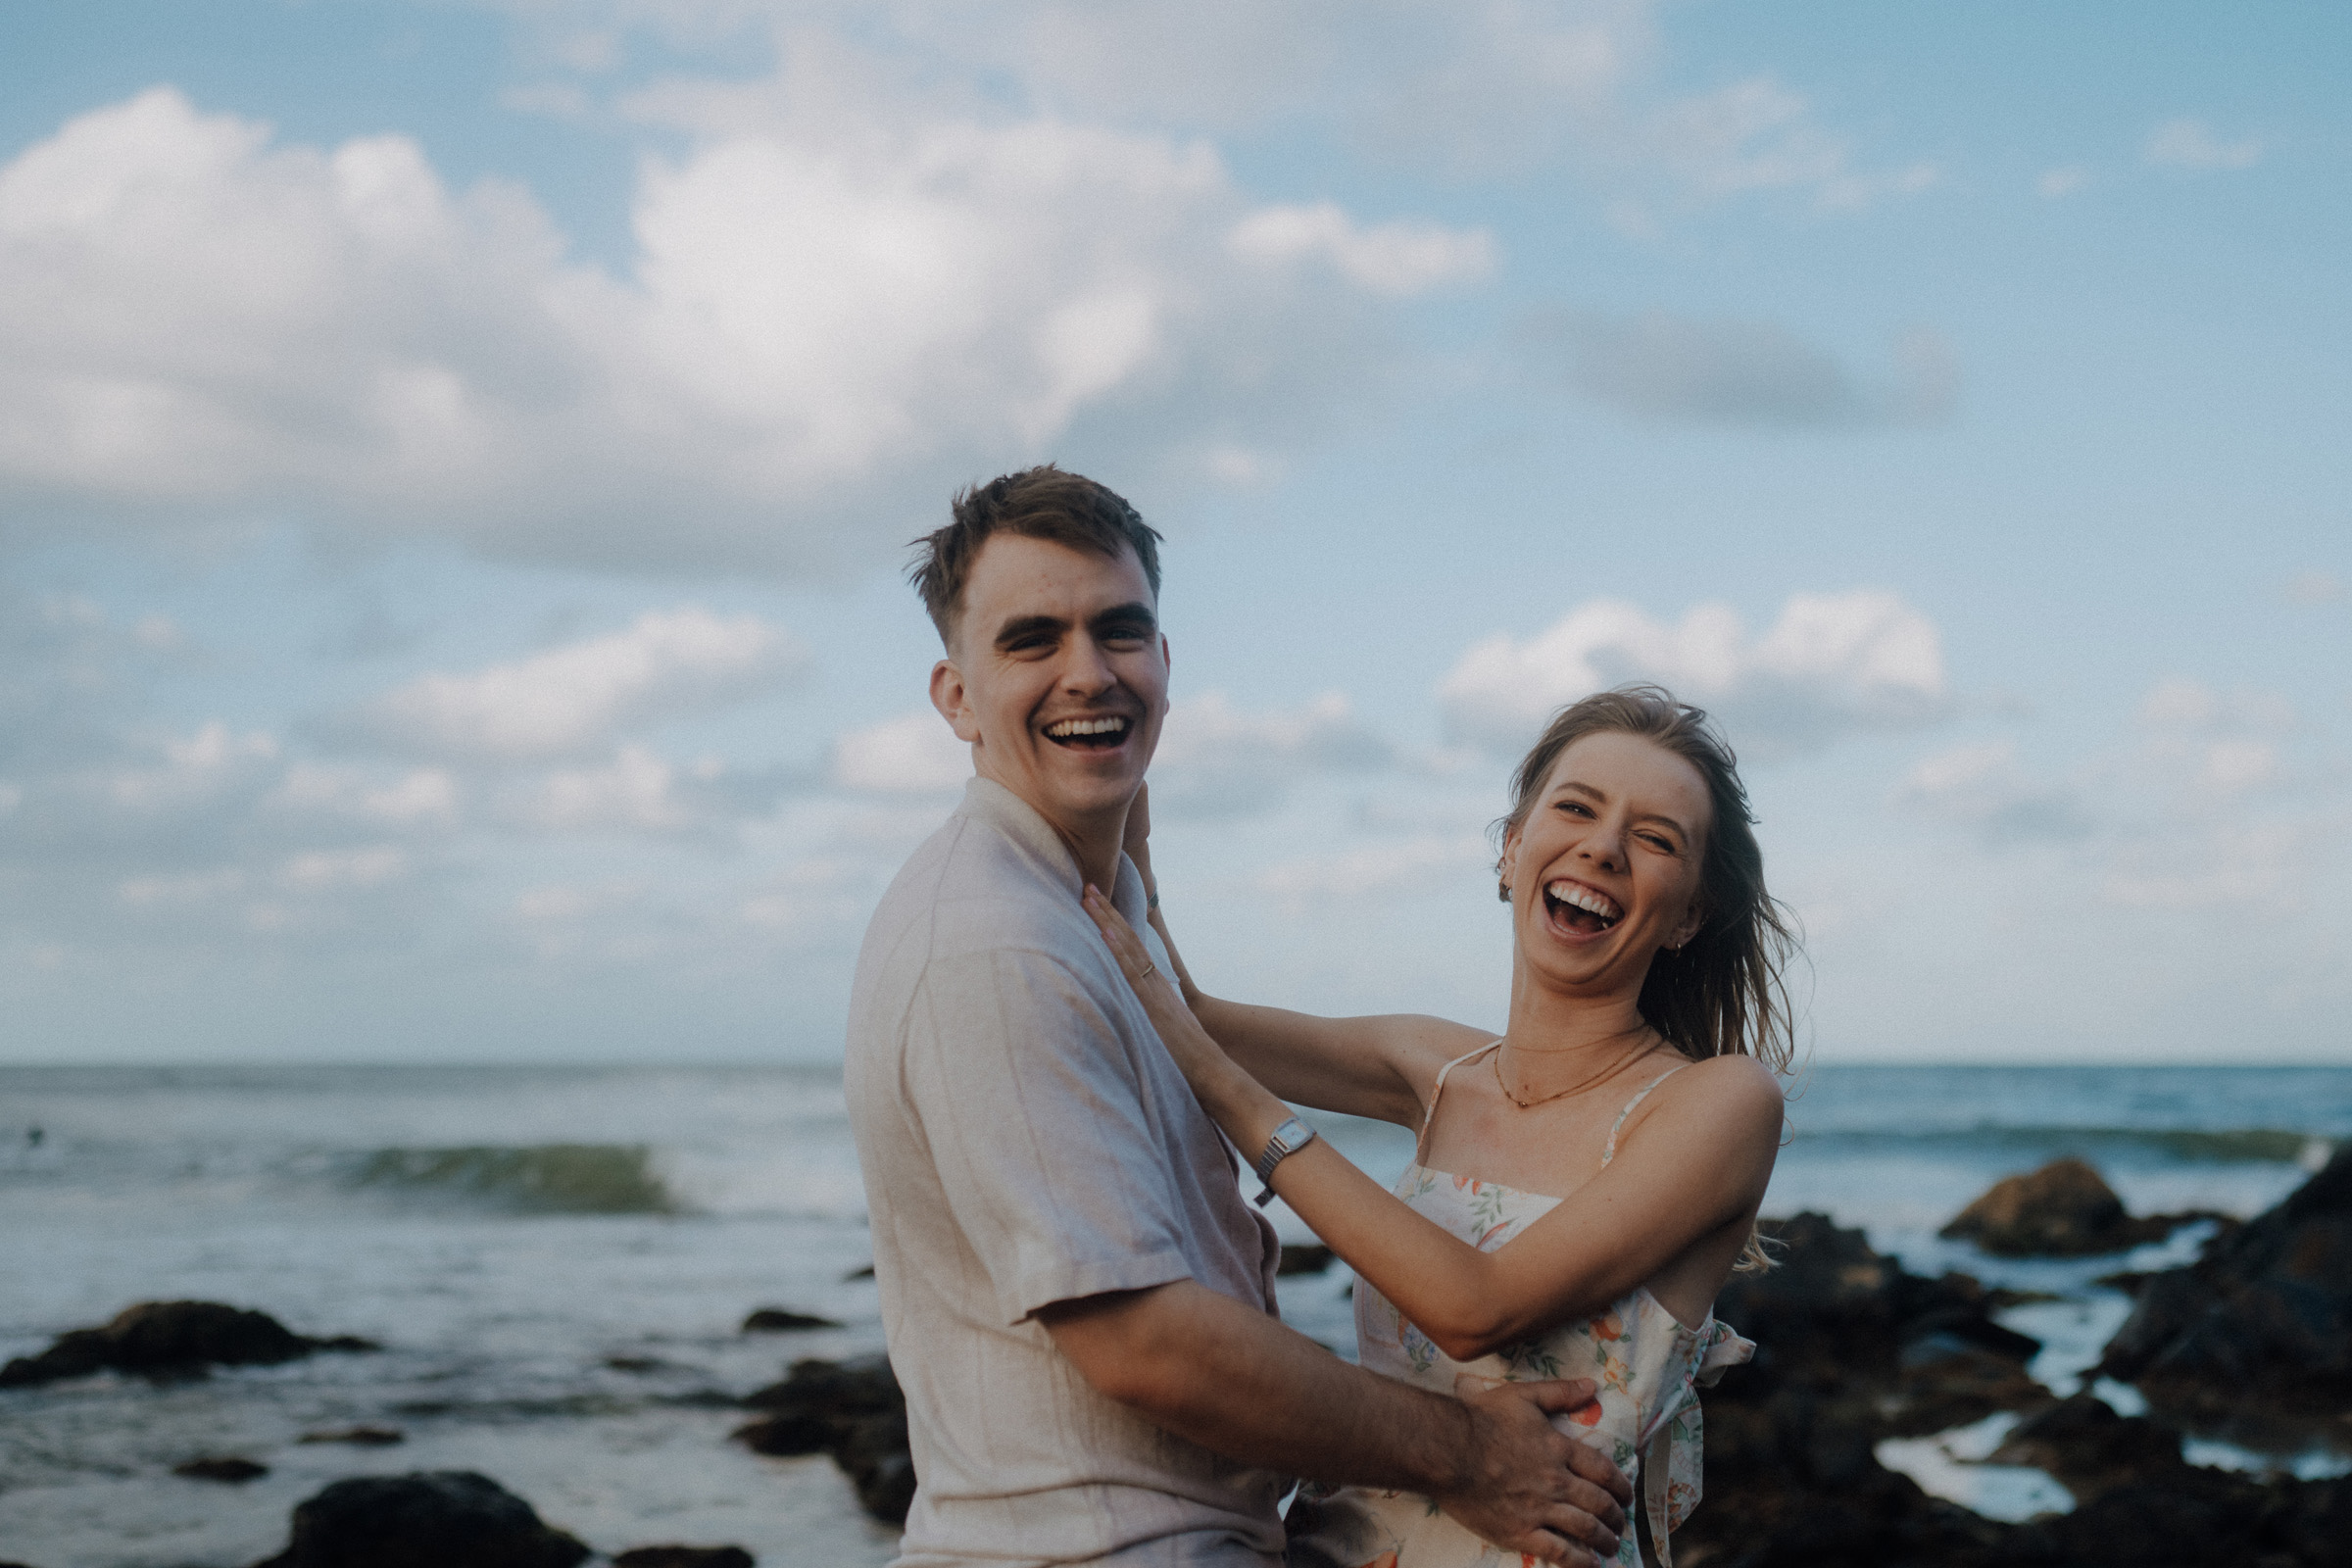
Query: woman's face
{"points": [[1605, 869]]}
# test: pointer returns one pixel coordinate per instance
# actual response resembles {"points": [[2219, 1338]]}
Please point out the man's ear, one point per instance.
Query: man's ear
{"points": [[948, 695]]}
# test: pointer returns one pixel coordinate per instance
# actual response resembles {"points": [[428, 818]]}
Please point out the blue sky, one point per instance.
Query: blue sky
{"points": [[455, 460]]}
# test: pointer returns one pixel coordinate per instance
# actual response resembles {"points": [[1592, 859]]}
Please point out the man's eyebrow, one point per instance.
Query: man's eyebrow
{"points": [[1135, 612], [1021, 626]]}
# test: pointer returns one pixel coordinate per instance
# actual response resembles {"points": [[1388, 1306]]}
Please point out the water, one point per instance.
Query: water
{"points": [[508, 1235]]}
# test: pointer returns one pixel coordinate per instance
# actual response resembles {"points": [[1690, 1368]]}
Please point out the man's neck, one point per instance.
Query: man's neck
{"points": [[1095, 846]]}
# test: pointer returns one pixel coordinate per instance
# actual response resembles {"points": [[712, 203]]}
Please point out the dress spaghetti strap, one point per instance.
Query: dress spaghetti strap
{"points": [[1610, 1152], [1438, 1088]]}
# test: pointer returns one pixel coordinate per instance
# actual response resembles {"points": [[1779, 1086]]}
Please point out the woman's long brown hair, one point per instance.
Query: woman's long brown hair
{"points": [[1724, 992]]}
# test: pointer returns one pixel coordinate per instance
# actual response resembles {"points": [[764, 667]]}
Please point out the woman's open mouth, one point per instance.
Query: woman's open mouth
{"points": [[1582, 909], [1090, 734]]}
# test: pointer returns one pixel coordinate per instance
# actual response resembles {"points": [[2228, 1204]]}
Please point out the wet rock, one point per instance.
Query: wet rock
{"points": [[638, 1364], [777, 1320], [1303, 1257], [2185, 1518], [446, 1518], [2084, 1445], [851, 1410], [361, 1437], [170, 1339], [1850, 1350], [2064, 1210], [224, 1468], [2261, 1325], [684, 1557]]}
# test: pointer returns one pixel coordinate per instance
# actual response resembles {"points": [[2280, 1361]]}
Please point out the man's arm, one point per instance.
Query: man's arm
{"points": [[1227, 1377]]}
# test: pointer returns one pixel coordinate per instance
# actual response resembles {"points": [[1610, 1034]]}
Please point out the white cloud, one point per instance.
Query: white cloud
{"points": [[570, 701], [1216, 761], [1386, 869], [1830, 665], [2063, 181], [636, 792], [2190, 144], [1682, 370], [1396, 260], [2314, 587], [845, 298], [914, 754], [1987, 787], [1758, 135]]}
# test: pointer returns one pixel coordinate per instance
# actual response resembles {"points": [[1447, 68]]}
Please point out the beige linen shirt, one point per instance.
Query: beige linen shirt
{"points": [[1026, 1140]]}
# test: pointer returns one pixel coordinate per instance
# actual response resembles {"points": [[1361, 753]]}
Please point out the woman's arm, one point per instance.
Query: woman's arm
{"points": [[1701, 1162], [1375, 1066]]}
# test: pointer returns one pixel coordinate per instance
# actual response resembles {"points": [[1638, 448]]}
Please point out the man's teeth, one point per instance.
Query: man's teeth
{"points": [[1585, 898], [1086, 726]]}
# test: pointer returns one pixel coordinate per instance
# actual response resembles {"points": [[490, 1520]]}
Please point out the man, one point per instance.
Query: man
{"points": [[1079, 1302]]}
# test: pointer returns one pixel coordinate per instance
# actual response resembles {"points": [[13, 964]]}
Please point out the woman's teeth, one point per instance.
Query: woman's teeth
{"points": [[1576, 896]]}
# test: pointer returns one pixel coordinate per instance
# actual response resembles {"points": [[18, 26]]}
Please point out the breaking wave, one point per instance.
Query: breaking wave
{"points": [[2172, 1145], [537, 1178]]}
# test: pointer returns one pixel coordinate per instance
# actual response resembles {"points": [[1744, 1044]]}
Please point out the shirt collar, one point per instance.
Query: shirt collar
{"points": [[987, 801]]}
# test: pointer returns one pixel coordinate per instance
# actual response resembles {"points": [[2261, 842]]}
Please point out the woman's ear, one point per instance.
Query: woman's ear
{"points": [[1507, 868], [1692, 919]]}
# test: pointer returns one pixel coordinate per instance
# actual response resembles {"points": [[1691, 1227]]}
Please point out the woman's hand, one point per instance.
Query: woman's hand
{"points": [[1237, 1102]]}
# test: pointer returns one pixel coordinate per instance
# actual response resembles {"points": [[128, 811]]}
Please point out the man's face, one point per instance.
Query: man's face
{"points": [[1057, 676]]}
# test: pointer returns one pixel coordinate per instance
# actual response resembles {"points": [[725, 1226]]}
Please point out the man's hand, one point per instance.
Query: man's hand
{"points": [[1529, 1489]]}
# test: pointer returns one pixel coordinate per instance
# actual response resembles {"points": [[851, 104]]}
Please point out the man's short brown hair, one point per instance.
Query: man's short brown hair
{"points": [[1040, 503]]}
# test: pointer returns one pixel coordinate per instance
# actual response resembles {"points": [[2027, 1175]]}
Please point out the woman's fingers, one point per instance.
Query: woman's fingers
{"points": [[1125, 946]]}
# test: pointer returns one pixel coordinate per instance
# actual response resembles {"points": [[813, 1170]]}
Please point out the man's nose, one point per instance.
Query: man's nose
{"points": [[1086, 669]]}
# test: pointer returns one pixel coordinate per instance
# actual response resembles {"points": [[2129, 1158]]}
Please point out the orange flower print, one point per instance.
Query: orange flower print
{"points": [[1387, 1559], [1589, 1416], [1609, 1326]]}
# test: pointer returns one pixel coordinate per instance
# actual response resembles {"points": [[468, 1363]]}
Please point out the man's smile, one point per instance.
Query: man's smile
{"points": [[1102, 733]]}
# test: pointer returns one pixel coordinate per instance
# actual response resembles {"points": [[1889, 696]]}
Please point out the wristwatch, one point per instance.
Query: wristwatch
{"points": [[1289, 1138]]}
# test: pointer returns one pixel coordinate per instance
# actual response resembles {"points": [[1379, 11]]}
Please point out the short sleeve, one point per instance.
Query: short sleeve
{"points": [[1034, 1114]]}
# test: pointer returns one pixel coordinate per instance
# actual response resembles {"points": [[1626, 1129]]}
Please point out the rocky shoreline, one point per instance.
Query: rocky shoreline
{"points": [[2251, 1344]]}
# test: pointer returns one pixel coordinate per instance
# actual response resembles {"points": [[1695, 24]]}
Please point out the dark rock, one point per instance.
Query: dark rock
{"points": [[446, 1518], [2089, 1449], [170, 1339], [1850, 1348], [851, 1410], [776, 1320], [1303, 1257], [361, 1437], [2187, 1518], [2261, 1323], [226, 1468], [684, 1557], [635, 1363], [857, 1274], [2064, 1210]]}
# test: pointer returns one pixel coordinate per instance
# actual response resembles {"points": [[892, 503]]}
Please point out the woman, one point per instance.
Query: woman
{"points": [[1582, 1186]]}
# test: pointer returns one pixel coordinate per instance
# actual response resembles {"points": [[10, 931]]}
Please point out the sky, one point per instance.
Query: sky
{"points": [[456, 461]]}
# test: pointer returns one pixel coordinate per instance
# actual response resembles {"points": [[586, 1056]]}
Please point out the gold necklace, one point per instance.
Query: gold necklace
{"points": [[1495, 1061]]}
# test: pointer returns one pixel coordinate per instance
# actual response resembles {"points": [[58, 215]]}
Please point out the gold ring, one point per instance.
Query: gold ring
{"points": [[1150, 968]]}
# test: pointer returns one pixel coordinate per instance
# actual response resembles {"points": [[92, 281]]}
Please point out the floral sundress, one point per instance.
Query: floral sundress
{"points": [[1649, 1368]]}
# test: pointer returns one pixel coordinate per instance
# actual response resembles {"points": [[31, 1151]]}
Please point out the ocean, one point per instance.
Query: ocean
{"points": [[557, 1262]]}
